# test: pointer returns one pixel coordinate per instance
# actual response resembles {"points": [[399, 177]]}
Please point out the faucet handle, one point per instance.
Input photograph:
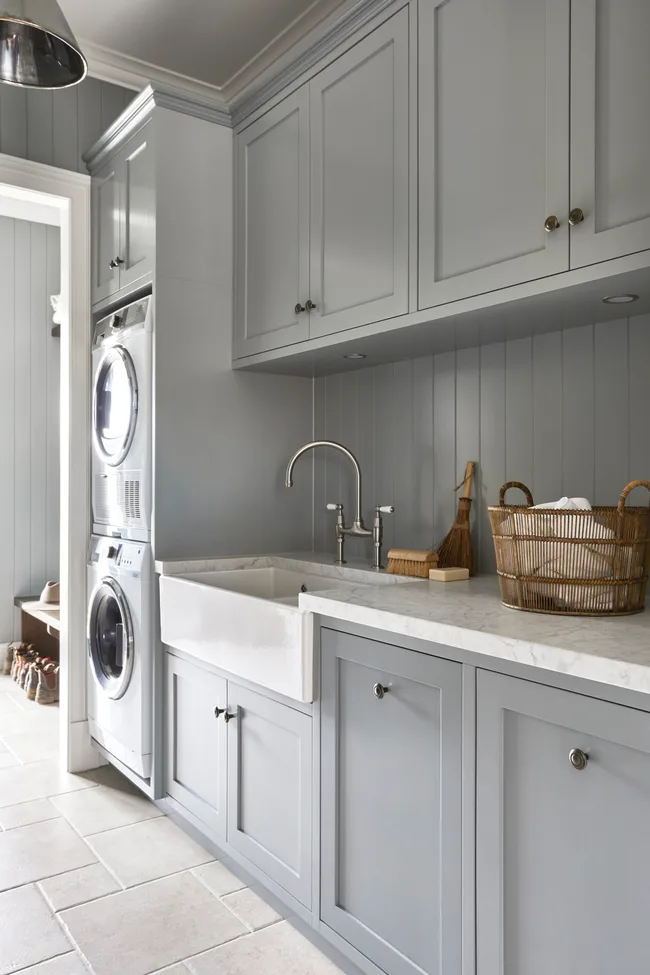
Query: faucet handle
{"points": [[384, 509], [335, 507]]}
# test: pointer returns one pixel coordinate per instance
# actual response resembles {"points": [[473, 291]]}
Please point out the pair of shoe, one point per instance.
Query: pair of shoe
{"points": [[39, 676]]}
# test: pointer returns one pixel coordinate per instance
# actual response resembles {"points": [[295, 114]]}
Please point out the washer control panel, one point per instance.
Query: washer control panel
{"points": [[115, 553]]}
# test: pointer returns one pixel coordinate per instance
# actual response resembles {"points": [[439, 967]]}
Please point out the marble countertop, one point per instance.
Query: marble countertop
{"points": [[464, 615], [469, 616]]}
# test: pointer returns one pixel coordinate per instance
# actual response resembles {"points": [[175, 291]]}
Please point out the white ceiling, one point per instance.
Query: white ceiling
{"points": [[206, 40]]}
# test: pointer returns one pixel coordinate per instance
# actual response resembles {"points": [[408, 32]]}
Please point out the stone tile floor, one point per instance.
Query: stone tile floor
{"points": [[94, 879]]}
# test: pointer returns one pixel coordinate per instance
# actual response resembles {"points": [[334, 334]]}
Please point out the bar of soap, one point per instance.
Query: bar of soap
{"points": [[448, 575]]}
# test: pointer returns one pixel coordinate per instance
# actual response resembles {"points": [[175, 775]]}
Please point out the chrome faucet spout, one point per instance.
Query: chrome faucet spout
{"points": [[358, 519]]}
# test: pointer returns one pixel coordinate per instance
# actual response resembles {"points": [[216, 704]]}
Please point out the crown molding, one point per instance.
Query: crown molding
{"points": [[317, 33], [139, 110], [120, 69], [300, 28]]}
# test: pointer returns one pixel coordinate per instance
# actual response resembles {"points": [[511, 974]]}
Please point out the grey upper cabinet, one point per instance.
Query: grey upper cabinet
{"points": [[610, 147], [391, 804], [270, 788], [137, 211], [196, 753], [563, 851], [105, 232], [123, 217], [493, 144], [272, 228], [360, 183]]}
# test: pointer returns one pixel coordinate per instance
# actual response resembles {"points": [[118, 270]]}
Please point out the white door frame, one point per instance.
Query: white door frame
{"points": [[70, 193]]}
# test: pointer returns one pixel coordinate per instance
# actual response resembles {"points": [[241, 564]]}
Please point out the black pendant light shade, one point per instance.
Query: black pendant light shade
{"points": [[37, 47]]}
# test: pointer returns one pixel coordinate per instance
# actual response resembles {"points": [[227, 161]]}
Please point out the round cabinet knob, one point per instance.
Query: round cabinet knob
{"points": [[310, 306], [218, 711], [228, 717], [379, 691], [299, 309], [551, 223], [578, 759], [576, 216]]}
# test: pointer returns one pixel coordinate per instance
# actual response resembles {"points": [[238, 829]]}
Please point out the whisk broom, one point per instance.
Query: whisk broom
{"points": [[456, 549]]}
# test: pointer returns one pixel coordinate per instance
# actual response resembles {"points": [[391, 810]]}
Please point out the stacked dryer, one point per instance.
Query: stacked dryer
{"points": [[121, 618]]}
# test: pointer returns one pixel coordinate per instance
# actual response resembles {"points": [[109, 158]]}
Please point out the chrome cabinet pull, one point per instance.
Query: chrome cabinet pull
{"points": [[299, 309], [115, 263], [228, 717], [578, 759], [218, 711], [576, 216], [310, 306], [551, 223], [379, 691]]}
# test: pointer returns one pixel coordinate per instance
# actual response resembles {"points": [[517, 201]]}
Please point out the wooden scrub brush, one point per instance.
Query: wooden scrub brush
{"points": [[411, 562], [456, 550]]}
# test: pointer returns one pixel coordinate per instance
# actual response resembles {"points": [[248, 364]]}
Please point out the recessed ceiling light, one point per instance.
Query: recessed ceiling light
{"points": [[620, 299], [354, 355]]}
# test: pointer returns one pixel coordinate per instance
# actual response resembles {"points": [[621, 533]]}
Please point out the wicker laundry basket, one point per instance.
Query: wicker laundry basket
{"points": [[569, 562]]}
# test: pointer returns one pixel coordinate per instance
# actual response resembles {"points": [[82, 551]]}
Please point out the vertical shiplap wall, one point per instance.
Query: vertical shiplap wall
{"points": [[566, 413], [57, 127], [29, 413]]}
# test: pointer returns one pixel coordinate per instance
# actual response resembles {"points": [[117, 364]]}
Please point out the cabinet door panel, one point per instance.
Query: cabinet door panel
{"points": [[272, 249], [610, 147], [138, 207], [563, 855], [494, 150], [105, 232], [359, 183], [196, 742], [270, 788], [390, 793]]}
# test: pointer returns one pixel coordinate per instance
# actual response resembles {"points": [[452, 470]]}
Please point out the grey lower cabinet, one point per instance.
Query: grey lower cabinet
{"points": [[241, 763], [196, 749], [391, 752], [123, 217], [563, 845], [270, 788]]}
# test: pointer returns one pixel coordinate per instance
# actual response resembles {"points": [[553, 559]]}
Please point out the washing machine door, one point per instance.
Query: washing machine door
{"points": [[110, 638], [115, 406]]}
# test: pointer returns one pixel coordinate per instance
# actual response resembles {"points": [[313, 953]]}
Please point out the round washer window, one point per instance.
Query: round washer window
{"points": [[110, 638], [115, 406]]}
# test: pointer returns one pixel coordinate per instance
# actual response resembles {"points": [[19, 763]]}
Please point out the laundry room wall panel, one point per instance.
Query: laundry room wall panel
{"points": [[222, 439], [29, 413], [57, 127], [566, 412]]}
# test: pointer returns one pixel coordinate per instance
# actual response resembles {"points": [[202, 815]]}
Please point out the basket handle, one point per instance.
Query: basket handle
{"points": [[522, 487], [626, 491]]}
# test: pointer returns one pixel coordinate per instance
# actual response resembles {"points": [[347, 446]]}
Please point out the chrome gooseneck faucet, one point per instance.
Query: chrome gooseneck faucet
{"points": [[357, 529]]}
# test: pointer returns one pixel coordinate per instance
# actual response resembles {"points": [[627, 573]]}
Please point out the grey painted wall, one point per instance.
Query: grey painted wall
{"points": [[56, 127], [222, 438], [567, 413], [29, 413]]}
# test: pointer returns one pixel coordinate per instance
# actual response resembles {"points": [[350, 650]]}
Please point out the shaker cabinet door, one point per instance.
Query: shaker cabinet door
{"points": [[493, 144], [610, 135], [563, 846], [105, 215], [270, 788], [360, 182], [272, 228], [391, 804], [138, 207], [196, 741]]}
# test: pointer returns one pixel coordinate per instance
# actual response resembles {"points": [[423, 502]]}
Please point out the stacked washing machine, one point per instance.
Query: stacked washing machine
{"points": [[121, 607]]}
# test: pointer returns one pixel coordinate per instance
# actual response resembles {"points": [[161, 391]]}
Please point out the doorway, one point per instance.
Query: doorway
{"points": [[44, 449]]}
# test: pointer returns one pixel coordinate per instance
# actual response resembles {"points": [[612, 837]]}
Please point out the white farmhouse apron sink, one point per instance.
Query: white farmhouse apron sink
{"points": [[247, 621]]}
